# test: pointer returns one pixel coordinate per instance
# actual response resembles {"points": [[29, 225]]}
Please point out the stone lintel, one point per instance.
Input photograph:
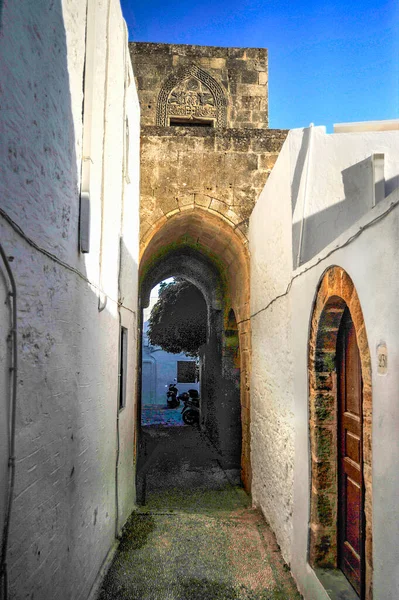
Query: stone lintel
{"points": [[267, 140]]}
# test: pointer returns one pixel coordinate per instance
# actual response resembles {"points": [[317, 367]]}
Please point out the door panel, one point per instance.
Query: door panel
{"points": [[352, 447], [350, 459], [353, 500]]}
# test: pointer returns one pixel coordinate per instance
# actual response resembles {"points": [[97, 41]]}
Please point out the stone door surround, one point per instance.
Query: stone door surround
{"points": [[336, 292]]}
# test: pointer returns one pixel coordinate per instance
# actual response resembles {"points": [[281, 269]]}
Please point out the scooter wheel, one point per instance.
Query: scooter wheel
{"points": [[190, 417]]}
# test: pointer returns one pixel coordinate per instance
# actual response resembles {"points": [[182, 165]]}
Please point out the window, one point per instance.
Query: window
{"points": [[122, 368], [190, 122], [186, 371]]}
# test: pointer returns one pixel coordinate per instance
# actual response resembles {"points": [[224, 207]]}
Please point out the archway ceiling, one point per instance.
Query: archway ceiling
{"points": [[184, 261], [202, 228], [208, 235]]}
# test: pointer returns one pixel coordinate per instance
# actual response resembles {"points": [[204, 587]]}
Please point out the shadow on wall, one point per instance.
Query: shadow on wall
{"points": [[391, 185], [64, 500], [300, 164], [323, 227]]}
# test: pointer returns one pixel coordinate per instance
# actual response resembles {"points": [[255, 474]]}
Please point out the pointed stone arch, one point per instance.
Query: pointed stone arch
{"points": [[188, 238], [335, 295], [180, 75]]}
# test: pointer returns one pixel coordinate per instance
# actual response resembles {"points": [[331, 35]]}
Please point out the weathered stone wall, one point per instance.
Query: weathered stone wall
{"points": [[65, 515], [222, 172], [241, 73], [222, 169], [199, 184]]}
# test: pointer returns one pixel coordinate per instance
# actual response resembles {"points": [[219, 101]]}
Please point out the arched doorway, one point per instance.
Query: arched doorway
{"points": [[203, 249], [340, 410]]}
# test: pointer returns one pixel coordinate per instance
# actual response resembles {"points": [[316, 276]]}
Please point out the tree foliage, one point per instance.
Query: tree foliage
{"points": [[178, 319]]}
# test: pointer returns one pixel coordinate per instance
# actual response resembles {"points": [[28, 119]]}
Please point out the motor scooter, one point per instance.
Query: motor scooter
{"points": [[190, 412], [172, 398]]}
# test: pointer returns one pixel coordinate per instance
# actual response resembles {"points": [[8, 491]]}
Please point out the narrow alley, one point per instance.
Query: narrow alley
{"points": [[167, 223], [196, 536]]}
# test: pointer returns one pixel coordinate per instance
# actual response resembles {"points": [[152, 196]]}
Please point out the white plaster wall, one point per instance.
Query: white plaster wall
{"points": [[280, 337], [272, 408], [128, 292], [39, 157], [64, 513], [336, 182], [372, 263]]}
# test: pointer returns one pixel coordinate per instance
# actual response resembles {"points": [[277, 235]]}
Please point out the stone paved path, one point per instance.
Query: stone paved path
{"points": [[162, 415], [196, 537]]}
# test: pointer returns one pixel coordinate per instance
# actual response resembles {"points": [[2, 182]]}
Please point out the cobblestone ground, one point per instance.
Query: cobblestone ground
{"points": [[196, 537]]}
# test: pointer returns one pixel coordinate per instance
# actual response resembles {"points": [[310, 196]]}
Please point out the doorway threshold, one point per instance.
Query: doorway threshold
{"points": [[336, 584]]}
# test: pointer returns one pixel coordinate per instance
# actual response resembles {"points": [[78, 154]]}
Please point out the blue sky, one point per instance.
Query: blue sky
{"points": [[329, 62]]}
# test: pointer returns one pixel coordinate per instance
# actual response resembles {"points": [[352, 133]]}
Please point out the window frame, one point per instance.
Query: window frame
{"points": [[122, 367], [178, 363]]}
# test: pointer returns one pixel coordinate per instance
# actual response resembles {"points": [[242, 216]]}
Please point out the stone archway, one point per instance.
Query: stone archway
{"points": [[207, 251], [336, 292]]}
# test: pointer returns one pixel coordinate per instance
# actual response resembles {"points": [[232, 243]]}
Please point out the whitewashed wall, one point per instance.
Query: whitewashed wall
{"points": [[280, 325], [64, 514], [272, 403]]}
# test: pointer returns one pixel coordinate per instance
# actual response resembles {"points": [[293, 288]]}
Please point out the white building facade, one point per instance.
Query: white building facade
{"points": [[160, 368], [69, 229], [324, 238]]}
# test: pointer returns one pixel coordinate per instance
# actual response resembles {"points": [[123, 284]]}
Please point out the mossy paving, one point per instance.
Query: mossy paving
{"points": [[187, 556], [196, 542]]}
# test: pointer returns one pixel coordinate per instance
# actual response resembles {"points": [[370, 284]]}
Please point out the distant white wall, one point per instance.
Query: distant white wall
{"points": [[162, 373], [159, 370], [65, 514], [336, 205]]}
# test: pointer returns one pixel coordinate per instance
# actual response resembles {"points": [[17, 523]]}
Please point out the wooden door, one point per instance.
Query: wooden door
{"points": [[350, 459]]}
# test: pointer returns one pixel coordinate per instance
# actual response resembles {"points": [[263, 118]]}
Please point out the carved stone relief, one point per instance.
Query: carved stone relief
{"points": [[191, 98], [192, 93]]}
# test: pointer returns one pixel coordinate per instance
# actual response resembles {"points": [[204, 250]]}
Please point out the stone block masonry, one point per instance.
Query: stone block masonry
{"points": [[206, 154], [204, 137], [241, 72], [222, 171]]}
